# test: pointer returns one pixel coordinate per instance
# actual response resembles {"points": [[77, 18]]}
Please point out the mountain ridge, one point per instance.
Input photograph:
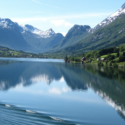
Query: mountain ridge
{"points": [[108, 36], [110, 18], [15, 33], [76, 33]]}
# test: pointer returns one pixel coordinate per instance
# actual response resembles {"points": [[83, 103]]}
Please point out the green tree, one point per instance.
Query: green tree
{"points": [[121, 58], [66, 58], [117, 54]]}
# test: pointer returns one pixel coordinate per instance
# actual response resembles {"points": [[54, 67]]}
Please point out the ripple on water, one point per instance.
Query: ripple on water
{"points": [[13, 115]]}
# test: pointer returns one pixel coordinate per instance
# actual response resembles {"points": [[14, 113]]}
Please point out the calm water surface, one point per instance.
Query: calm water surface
{"points": [[50, 92]]}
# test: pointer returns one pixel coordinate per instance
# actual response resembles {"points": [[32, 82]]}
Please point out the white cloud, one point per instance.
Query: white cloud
{"points": [[61, 22], [61, 19], [68, 24], [58, 22], [79, 16], [58, 90], [55, 91], [25, 20], [65, 90]]}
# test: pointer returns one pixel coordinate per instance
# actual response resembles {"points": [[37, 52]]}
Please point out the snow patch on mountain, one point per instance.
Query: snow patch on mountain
{"points": [[40, 33], [7, 23], [111, 18]]}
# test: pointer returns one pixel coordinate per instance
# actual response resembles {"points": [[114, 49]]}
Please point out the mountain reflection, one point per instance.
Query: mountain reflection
{"points": [[108, 83]]}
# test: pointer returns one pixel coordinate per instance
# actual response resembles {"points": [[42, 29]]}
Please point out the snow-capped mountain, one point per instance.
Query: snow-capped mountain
{"points": [[111, 18], [27, 37], [7, 23], [40, 33]]}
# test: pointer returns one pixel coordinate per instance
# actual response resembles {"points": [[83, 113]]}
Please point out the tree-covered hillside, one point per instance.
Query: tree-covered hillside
{"points": [[111, 35], [6, 52], [76, 33]]}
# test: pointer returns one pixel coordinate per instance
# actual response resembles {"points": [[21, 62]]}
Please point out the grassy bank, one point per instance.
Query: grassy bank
{"points": [[105, 57]]}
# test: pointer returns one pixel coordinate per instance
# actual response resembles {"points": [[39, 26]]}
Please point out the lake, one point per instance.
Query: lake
{"points": [[50, 92]]}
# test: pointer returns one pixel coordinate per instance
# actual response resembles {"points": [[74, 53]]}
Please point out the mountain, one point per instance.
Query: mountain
{"points": [[109, 34], [27, 37], [39, 33], [110, 19], [76, 33], [11, 37], [39, 40]]}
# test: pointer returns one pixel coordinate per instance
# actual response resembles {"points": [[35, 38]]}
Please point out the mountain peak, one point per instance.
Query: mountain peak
{"points": [[29, 26], [111, 18], [123, 6], [7, 23], [51, 29], [38, 32], [49, 32], [80, 28], [84, 26]]}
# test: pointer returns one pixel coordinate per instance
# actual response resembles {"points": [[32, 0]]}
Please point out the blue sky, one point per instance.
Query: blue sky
{"points": [[60, 15]]}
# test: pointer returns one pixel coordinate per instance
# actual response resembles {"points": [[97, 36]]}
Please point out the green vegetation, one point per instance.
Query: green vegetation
{"points": [[6, 52], [75, 34], [112, 35], [105, 57]]}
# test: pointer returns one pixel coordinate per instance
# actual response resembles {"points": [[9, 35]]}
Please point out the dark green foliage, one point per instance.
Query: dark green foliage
{"points": [[116, 50], [110, 63], [106, 51], [72, 58], [100, 63], [122, 48], [66, 59], [123, 53], [88, 55], [115, 65], [121, 58], [117, 54], [77, 60], [110, 57], [106, 62]]}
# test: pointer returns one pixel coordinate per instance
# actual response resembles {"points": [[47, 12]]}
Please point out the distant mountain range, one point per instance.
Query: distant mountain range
{"points": [[79, 39], [108, 33], [27, 37]]}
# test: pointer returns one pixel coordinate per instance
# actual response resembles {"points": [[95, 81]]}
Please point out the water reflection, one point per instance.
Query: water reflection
{"points": [[108, 83]]}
